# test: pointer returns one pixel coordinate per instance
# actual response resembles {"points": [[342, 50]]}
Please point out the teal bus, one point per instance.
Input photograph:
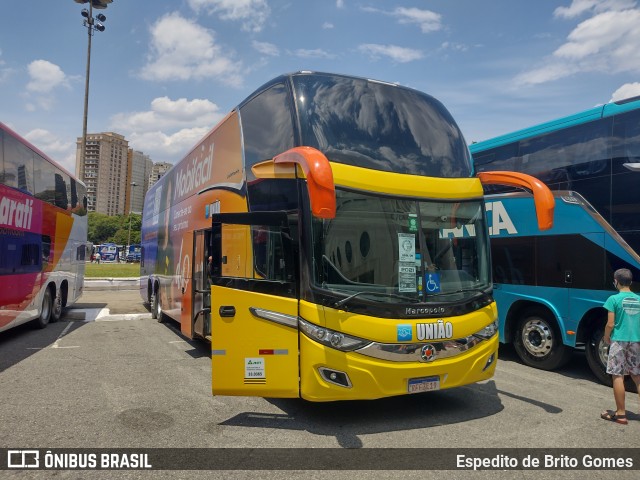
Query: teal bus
{"points": [[542, 301], [550, 285]]}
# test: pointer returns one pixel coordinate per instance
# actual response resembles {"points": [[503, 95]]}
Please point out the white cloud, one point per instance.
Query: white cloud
{"points": [[163, 147], [169, 128], [313, 53], [398, 54], [183, 50], [45, 76], [167, 114], [266, 48], [607, 42], [252, 13], [578, 7], [458, 47], [4, 72], [427, 20], [327, 25], [627, 90], [340, 3]]}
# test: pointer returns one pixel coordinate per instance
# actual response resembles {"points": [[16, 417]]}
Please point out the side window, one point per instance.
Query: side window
{"points": [[626, 140], [62, 181], [499, 158], [45, 181], [46, 250], [513, 260], [255, 257], [20, 253], [18, 165], [267, 125], [624, 214], [30, 254], [268, 254], [569, 155]]}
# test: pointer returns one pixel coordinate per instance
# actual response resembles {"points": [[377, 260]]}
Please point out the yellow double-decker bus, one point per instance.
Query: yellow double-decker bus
{"points": [[329, 238]]}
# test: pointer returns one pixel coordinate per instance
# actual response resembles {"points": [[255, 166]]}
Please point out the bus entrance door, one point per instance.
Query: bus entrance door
{"points": [[201, 304], [254, 308]]}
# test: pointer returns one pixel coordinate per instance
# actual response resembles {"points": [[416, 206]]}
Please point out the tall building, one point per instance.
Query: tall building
{"points": [[139, 170], [104, 171], [157, 171]]}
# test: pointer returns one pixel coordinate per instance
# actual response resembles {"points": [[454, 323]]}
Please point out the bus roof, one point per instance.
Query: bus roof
{"points": [[286, 76], [585, 116]]}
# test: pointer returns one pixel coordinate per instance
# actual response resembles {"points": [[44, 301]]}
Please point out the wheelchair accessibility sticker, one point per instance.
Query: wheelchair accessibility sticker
{"points": [[432, 283]]}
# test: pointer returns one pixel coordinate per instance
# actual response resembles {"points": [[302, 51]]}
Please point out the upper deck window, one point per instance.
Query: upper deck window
{"points": [[267, 125], [379, 126]]}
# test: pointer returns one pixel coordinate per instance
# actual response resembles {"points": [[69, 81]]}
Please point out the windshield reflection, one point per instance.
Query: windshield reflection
{"points": [[379, 126]]}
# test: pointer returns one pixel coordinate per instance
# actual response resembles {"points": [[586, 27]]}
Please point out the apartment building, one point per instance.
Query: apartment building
{"points": [[104, 171]]}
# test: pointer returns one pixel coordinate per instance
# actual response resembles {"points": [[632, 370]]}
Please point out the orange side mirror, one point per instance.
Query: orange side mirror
{"points": [[542, 196], [317, 169]]}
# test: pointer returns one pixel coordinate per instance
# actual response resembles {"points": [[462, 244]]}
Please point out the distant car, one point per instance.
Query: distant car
{"points": [[133, 257], [133, 254]]}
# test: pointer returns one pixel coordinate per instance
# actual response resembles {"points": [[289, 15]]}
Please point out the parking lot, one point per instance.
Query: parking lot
{"points": [[108, 376]]}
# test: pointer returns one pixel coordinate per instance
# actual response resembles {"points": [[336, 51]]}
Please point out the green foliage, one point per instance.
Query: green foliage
{"points": [[114, 229], [112, 270]]}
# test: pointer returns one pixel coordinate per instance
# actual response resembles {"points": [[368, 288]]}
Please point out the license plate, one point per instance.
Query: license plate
{"points": [[426, 384]]}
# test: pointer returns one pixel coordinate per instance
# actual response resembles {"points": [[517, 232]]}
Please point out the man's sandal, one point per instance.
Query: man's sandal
{"points": [[611, 416]]}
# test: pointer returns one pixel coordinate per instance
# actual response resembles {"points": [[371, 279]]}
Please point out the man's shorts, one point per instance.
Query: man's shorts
{"points": [[624, 358]]}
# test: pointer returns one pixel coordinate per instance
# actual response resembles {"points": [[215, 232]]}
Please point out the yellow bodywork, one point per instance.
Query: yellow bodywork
{"points": [[253, 355], [289, 362], [375, 378]]}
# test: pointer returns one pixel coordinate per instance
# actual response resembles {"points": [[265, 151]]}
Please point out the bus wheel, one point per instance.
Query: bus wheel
{"points": [[538, 342], [597, 353], [56, 310], [156, 310], [45, 312]]}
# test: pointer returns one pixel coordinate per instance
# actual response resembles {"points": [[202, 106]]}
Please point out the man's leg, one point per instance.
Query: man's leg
{"points": [[619, 394]]}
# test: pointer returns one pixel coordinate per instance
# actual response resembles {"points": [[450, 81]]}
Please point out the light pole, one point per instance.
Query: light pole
{"points": [[91, 25], [133, 185]]}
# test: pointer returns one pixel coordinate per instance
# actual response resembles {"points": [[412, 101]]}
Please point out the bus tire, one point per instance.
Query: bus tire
{"points": [[156, 310], [45, 310], [597, 353], [538, 341], [56, 308]]}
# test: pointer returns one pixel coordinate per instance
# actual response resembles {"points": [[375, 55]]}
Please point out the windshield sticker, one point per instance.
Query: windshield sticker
{"points": [[406, 277], [432, 283], [407, 247], [413, 222]]}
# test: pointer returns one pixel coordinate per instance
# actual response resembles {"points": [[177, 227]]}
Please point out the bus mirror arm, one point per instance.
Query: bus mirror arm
{"points": [[542, 196], [317, 169]]}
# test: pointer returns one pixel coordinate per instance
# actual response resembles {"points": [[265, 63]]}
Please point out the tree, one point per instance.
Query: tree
{"points": [[102, 227]]}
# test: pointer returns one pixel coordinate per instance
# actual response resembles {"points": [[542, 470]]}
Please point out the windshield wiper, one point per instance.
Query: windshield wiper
{"points": [[477, 290], [340, 303]]}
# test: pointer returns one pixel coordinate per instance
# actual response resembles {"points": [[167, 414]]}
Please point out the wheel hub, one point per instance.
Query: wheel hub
{"points": [[537, 338], [603, 352]]}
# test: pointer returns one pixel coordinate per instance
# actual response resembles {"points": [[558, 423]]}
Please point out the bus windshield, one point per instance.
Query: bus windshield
{"points": [[379, 126], [399, 250]]}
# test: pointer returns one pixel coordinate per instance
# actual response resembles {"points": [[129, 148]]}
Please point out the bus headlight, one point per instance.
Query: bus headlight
{"points": [[488, 331], [331, 338]]}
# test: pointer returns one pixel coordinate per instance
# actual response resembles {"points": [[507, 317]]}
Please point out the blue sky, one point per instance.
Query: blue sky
{"points": [[165, 71]]}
